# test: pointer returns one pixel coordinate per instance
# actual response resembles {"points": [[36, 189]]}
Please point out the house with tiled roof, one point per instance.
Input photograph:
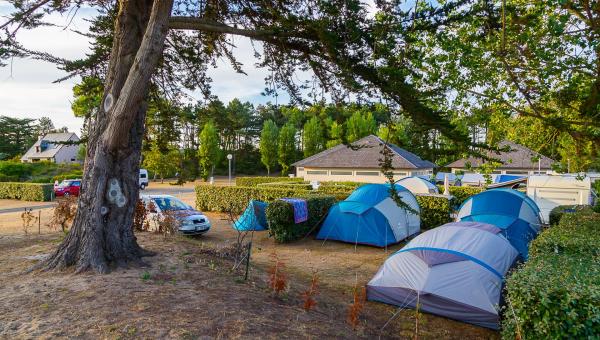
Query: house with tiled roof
{"points": [[519, 160], [360, 163], [53, 147]]}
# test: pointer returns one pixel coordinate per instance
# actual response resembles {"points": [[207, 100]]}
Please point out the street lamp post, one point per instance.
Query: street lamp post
{"points": [[229, 157]]}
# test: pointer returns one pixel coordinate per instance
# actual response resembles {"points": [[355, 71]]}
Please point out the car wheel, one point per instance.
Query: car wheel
{"points": [[66, 194], [143, 186]]}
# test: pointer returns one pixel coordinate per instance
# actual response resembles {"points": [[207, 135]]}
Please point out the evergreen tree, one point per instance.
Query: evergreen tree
{"points": [[313, 139], [287, 147], [208, 153], [268, 145]]}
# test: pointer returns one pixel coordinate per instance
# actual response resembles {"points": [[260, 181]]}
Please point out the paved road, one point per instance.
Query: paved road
{"points": [[34, 207]]}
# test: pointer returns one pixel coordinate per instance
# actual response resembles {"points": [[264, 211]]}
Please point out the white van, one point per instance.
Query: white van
{"points": [[551, 191], [143, 179]]}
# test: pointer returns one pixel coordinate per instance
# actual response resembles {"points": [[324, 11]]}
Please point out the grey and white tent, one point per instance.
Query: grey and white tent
{"points": [[455, 270], [418, 185]]}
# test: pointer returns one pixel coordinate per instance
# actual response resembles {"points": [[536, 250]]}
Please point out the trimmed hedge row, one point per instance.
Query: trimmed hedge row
{"points": [[26, 191], [556, 294], [280, 217], [286, 185], [216, 198], [254, 181]]}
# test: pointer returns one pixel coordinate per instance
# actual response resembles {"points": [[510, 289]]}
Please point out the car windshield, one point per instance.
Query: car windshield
{"points": [[65, 184], [170, 203]]}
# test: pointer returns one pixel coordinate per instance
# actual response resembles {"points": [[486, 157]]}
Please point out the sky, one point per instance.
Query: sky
{"points": [[27, 89]]}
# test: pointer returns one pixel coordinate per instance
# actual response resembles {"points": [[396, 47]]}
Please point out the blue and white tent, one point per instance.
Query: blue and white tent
{"points": [[455, 271], [418, 185], [370, 216], [253, 218], [512, 211]]}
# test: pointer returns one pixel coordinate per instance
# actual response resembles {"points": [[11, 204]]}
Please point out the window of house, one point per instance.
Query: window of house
{"points": [[72, 159], [498, 172], [367, 173], [400, 173], [316, 172], [341, 173], [300, 169]]}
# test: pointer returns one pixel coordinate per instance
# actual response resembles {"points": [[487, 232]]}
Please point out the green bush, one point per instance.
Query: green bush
{"points": [[557, 213], [286, 185], [254, 181], [26, 191], [435, 210], [556, 294], [217, 198], [280, 217]]}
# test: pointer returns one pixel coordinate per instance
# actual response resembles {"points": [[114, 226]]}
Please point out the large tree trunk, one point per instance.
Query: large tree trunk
{"points": [[102, 233]]}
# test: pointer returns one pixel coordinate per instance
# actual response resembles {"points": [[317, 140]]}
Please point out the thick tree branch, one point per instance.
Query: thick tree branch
{"points": [[208, 25]]}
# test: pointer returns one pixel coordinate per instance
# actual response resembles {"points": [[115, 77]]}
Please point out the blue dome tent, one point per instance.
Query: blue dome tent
{"points": [[253, 218], [370, 216], [512, 211]]}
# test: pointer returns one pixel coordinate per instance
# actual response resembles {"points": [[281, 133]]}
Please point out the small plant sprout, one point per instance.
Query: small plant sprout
{"points": [[277, 278], [359, 297], [28, 220], [308, 296]]}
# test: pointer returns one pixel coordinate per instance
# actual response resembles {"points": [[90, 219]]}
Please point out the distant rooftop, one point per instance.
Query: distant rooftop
{"points": [[520, 157], [366, 156]]}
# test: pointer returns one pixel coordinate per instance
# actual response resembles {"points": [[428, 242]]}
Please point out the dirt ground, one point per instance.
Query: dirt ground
{"points": [[188, 290]]}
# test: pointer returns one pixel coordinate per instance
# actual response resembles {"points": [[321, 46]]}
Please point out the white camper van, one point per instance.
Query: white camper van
{"points": [[551, 191], [143, 179]]}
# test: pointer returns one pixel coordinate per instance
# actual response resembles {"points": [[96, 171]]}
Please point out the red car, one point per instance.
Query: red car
{"points": [[68, 187]]}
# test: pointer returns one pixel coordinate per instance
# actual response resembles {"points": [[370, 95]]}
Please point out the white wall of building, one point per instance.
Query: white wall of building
{"points": [[368, 175]]}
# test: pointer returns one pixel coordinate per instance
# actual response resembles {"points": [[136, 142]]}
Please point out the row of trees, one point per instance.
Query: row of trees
{"points": [[17, 135]]}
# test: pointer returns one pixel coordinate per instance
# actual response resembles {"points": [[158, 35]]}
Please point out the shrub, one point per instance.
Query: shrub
{"points": [[254, 181], [557, 213], [556, 294], [222, 199], [286, 185], [26, 191], [435, 210], [280, 217], [341, 192]]}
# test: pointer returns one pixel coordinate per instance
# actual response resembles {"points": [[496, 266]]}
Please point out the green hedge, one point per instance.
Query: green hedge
{"points": [[217, 198], [557, 213], [435, 210], [26, 191], [280, 217], [254, 181], [556, 294], [286, 185]]}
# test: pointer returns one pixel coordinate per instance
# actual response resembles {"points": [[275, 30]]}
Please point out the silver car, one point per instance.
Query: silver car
{"points": [[191, 221]]}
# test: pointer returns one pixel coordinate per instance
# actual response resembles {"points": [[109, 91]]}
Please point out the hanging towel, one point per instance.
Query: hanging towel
{"points": [[300, 209]]}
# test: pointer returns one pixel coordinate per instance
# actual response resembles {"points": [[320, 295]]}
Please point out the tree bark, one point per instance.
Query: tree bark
{"points": [[102, 233]]}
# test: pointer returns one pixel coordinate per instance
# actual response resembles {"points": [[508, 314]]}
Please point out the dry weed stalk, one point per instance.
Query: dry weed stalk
{"points": [[168, 225], [64, 212], [360, 296], [28, 220], [309, 295], [417, 316], [139, 217], [277, 278]]}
